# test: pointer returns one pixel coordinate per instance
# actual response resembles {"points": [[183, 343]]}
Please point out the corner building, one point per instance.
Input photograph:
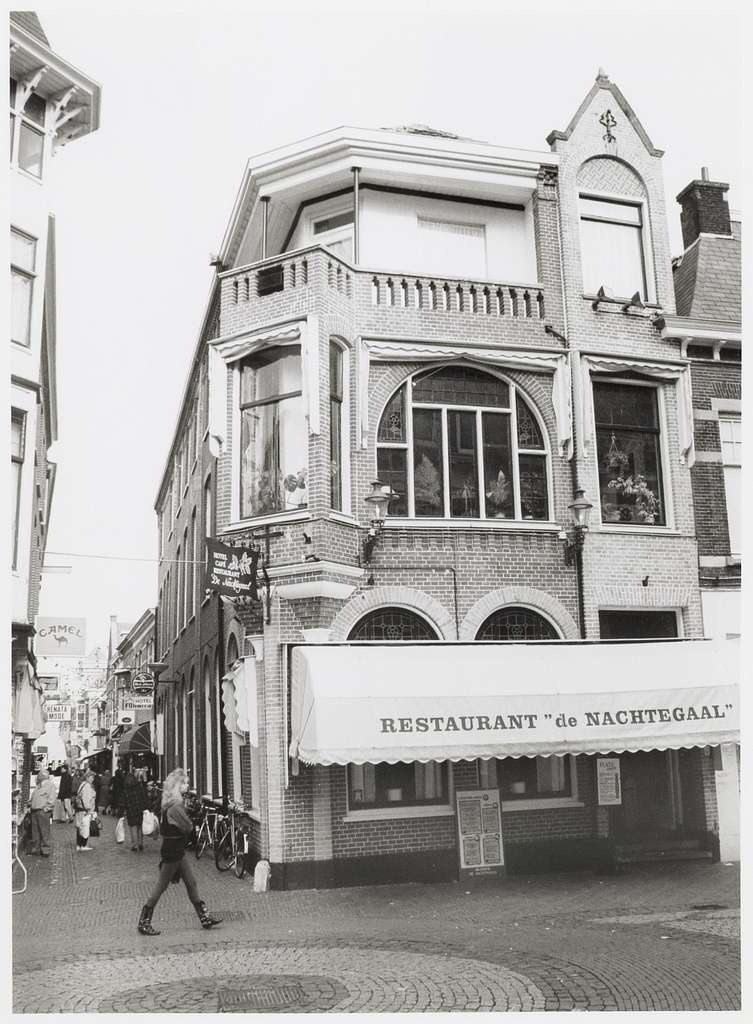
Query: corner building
{"points": [[475, 327]]}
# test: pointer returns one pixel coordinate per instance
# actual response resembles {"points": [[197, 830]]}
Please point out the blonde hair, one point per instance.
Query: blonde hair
{"points": [[171, 788]]}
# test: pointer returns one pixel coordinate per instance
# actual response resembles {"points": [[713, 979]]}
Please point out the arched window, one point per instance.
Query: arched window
{"points": [[232, 652], [190, 730], [456, 442], [515, 623], [208, 729], [392, 624]]}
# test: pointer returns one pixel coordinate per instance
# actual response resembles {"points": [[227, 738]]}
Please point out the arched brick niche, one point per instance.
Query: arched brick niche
{"points": [[528, 597], [438, 617]]}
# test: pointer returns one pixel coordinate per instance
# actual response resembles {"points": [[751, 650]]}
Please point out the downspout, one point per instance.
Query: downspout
{"points": [[356, 215]]}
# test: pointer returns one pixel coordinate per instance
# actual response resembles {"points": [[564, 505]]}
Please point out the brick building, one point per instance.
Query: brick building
{"points": [[51, 104], [130, 653], [479, 328]]}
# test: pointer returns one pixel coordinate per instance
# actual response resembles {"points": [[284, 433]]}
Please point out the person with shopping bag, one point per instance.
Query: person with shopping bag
{"points": [[133, 797], [66, 791], [176, 828], [85, 804]]}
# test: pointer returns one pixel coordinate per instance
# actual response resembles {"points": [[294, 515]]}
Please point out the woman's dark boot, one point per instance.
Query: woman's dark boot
{"points": [[207, 920], [145, 921]]}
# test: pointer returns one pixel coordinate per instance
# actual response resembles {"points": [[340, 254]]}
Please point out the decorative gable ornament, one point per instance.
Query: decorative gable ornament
{"points": [[608, 121]]}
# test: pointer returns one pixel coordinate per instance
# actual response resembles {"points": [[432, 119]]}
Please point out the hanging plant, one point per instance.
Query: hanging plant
{"points": [[645, 504], [617, 461]]}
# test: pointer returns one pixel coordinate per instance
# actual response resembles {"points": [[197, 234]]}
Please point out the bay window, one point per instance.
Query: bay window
{"points": [[23, 257], [611, 242], [456, 442], [628, 453], [274, 441]]}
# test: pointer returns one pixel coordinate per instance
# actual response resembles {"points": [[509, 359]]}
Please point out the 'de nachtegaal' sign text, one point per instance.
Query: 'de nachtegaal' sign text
{"points": [[231, 571]]}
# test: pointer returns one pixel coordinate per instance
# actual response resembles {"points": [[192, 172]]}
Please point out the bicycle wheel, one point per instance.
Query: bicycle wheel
{"points": [[202, 841], [240, 861], [223, 851]]}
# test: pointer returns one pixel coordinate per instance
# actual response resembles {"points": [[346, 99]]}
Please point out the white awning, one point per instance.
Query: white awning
{"points": [[240, 700], [428, 702]]}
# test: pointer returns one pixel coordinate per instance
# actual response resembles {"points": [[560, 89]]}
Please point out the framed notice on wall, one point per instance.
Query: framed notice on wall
{"points": [[608, 781], [480, 832]]}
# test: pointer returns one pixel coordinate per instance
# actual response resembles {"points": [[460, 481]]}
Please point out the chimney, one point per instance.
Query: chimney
{"points": [[704, 208]]}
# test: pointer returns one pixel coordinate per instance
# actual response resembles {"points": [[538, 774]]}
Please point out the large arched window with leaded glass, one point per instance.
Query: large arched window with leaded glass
{"points": [[455, 442], [517, 623], [392, 624]]}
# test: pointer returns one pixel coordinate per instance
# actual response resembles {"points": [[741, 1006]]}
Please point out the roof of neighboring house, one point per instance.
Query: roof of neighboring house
{"points": [[29, 21], [707, 279]]}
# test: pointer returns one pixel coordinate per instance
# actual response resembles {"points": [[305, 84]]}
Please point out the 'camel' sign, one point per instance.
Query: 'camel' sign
{"points": [[60, 636]]}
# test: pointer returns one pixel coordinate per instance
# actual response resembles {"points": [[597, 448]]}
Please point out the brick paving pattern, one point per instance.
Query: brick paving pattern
{"points": [[577, 942]]}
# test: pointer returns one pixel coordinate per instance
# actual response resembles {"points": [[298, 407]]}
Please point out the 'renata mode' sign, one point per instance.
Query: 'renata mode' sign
{"points": [[231, 571]]}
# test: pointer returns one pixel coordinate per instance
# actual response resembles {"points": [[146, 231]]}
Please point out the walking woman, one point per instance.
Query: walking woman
{"points": [[86, 805], [175, 828], [133, 797]]}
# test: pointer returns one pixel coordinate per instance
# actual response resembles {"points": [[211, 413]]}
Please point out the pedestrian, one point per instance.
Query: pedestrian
{"points": [[42, 801], [103, 791], [133, 797], [66, 791], [117, 792], [86, 806], [175, 828]]}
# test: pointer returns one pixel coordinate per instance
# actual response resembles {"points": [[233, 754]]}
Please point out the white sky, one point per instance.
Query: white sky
{"points": [[189, 94]]}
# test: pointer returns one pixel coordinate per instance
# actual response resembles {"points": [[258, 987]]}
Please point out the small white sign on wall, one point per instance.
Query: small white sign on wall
{"points": [[608, 781]]}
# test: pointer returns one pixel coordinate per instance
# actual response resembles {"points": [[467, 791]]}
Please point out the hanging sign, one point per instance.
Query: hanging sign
{"points": [[59, 636], [231, 571], [58, 712], [142, 683], [608, 781], [480, 832]]}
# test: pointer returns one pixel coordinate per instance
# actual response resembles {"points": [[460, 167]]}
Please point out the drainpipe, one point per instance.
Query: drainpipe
{"points": [[356, 215], [264, 224]]}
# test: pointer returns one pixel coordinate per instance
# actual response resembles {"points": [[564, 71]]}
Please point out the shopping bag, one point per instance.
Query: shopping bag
{"points": [[120, 831], [148, 822], [95, 826], [58, 811]]}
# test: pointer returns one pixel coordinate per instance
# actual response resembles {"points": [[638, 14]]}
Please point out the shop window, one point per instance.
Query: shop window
{"points": [[336, 232], [397, 785], [628, 453], [392, 624], [456, 442], [517, 624], [274, 440], [637, 625], [528, 778], [730, 432], [336, 425], [611, 241], [23, 258]]}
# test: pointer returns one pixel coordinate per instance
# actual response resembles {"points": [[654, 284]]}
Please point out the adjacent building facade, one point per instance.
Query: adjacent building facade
{"points": [[51, 104], [475, 336]]}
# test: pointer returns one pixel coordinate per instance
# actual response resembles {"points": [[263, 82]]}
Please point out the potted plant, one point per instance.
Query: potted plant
{"points": [[643, 506]]}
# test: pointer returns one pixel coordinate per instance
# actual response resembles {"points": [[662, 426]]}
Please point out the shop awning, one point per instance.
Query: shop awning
{"points": [[240, 700], [138, 740], [426, 702]]}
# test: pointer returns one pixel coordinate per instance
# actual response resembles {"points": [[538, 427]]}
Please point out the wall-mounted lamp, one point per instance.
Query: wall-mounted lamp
{"points": [[580, 509], [378, 502]]}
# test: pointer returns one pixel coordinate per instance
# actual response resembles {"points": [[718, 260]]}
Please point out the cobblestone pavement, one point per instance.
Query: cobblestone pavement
{"points": [[663, 937]]}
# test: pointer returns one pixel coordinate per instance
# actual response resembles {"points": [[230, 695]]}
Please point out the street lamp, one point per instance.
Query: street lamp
{"points": [[580, 510], [378, 502]]}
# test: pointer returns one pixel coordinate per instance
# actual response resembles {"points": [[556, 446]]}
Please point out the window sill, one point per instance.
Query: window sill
{"points": [[734, 559], [544, 526], [392, 813], [276, 518], [342, 517], [617, 301], [643, 531], [545, 803], [38, 179]]}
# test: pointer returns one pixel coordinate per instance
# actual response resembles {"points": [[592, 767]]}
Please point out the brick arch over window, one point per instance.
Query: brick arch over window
{"points": [[609, 174], [437, 616], [528, 597]]}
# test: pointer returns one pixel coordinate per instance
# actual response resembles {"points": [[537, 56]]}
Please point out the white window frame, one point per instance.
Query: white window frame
{"points": [[664, 466], [392, 813], [21, 417], [17, 112], [646, 238], [345, 426], [517, 519], [345, 232], [735, 421], [487, 781], [30, 276]]}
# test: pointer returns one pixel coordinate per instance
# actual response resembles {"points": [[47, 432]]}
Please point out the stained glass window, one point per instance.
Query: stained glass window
{"points": [[392, 624], [519, 624]]}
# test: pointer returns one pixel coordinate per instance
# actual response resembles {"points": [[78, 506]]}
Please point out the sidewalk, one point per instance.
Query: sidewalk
{"points": [[661, 937]]}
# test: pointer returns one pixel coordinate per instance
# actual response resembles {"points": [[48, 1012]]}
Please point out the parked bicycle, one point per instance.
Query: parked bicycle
{"points": [[232, 840], [207, 830]]}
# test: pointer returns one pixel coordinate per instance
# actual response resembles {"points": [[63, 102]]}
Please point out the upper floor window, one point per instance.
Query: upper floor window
{"points": [[336, 425], [730, 431], [17, 454], [517, 624], [23, 254], [336, 232], [628, 451], [27, 130], [274, 441], [455, 442], [648, 624], [392, 624], [611, 241]]}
